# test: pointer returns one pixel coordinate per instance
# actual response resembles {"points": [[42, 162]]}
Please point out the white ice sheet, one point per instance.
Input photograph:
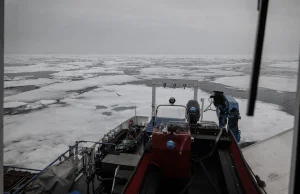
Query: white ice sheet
{"points": [[270, 82], [34, 139]]}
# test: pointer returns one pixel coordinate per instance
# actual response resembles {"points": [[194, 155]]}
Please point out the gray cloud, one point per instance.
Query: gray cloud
{"points": [[148, 27]]}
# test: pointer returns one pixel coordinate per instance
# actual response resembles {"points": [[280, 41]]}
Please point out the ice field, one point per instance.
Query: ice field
{"points": [[51, 101]]}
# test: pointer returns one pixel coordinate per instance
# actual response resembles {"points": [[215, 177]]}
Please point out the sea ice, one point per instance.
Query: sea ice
{"points": [[14, 104], [270, 82], [34, 139], [26, 82], [59, 90]]}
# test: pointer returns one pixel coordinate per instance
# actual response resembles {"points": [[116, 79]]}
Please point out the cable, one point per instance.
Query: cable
{"points": [[209, 155], [93, 185], [88, 187], [208, 107], [99, 178], [260, 182], [203, 167], [188, 185], [215, 146], [208, 177]]}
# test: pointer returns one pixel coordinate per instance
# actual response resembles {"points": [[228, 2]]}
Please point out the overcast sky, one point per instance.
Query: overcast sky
{"points": [[148, 27]]}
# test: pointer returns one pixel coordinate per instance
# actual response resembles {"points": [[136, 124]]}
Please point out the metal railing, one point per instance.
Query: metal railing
{"points": [[70, 151]]}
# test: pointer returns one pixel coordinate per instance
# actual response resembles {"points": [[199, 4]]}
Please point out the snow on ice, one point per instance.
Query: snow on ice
{"points": [[36, 138], [270, 82]]}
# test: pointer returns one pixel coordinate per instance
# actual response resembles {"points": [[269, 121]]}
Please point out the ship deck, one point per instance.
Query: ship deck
{"points": [[261, 156]]}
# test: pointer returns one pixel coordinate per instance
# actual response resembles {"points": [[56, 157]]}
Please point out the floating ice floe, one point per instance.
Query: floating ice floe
{"points": [[59, 90], [14, 104], [270, 82], [26, 82]]}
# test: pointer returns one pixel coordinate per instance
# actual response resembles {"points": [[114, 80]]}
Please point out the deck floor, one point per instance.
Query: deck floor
{"points": [[270, 159]]}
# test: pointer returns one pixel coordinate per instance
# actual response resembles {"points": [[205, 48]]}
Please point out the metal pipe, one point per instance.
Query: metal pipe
{"points": [[195, 92], [135, 119], [1, 90], [96, 142], [24, 185], [202, 109], [257, 55], [153, 98], [53, 162], [16, 167]]}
